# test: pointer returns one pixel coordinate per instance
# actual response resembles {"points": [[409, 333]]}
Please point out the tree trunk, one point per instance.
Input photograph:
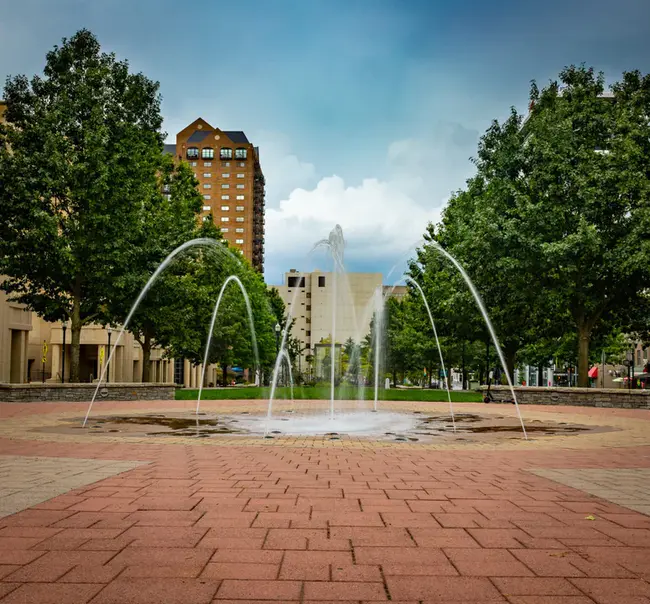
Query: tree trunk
{"points": [[584, 338], [225, 375], [75, 344], [146, 358], [510, 355]]}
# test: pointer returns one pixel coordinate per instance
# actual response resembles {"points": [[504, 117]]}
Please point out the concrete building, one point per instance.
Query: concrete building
{"points": [[310, 295], [231, 181], [126, 365], [15, 325]]}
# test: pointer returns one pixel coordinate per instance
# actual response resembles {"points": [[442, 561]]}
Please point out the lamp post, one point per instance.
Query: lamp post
{"points": [[64, 327], [629, 355], [109, 329]]}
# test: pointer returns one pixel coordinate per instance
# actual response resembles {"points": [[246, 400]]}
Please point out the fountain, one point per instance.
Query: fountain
{"points": [[230, 279], [359, 422]]}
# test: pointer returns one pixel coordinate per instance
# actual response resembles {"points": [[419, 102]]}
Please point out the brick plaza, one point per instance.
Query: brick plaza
{"points": [[114, 519]]}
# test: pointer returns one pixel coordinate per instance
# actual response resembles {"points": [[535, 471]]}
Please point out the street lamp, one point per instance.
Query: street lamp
{"points": [[109, 329], [65, 327], [278, 329], [629, 355]]}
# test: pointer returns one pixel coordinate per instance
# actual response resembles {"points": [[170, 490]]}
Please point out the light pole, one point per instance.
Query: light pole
{"points": [[109, 329], [64, 327], [630, 360]]}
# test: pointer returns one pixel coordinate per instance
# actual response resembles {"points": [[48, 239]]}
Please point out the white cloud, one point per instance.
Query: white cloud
{"points": [[378, 219], [382, 218], [283, 170]]}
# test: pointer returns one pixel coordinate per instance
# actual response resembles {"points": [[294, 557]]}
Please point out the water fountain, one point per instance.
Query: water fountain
{"points": [[359, 422]]}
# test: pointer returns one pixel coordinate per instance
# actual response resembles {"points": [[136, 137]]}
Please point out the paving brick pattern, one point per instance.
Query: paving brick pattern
{"points": [[197, 524]]}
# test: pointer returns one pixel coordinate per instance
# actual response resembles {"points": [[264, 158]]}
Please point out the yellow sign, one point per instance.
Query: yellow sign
{"points": [[101, 356], [44, 351]]}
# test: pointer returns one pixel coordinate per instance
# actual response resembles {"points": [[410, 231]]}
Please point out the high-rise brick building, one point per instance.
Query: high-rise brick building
{"points": [[227, 166]]}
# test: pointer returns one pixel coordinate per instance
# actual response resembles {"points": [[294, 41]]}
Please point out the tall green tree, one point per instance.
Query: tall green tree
{"points": [[79, 158], [168, 219], [588, 202]]}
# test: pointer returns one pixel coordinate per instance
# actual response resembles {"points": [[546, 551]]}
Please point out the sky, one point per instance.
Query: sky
{"points": [[366, 112]]}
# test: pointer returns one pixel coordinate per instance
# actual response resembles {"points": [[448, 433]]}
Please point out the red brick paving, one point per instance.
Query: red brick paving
{"points": [[258, 524]]}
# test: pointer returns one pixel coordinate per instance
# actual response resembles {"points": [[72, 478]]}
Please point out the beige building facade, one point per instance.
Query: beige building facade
{"points": [[310, 298], [125, 366]]}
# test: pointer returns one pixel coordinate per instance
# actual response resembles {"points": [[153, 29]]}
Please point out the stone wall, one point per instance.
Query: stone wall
{"points": [[581, 397], [32, 393]]}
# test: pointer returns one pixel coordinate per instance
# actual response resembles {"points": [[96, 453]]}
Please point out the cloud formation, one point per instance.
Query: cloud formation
{"points": [[382, 217]]}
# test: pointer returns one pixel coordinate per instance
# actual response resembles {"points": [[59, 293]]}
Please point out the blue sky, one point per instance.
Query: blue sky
{"points": [[366, 111]]}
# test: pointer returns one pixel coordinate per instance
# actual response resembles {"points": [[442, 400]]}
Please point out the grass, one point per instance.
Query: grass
{"points": [[323, 393]]}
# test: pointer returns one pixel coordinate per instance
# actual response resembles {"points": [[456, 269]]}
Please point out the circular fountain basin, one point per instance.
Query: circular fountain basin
{"points": [[361, 423]]}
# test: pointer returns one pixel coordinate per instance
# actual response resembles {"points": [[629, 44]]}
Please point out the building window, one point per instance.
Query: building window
{"points": [[207, 164], [239, 219], [225, 153], [207, 175], [206, 196], [207, 208], [225, 186], [308, 333], [193, 164], [193, 153], [225, 219], [225, 175], [321, 281], [224, 230], [205, 218], [207, 185], [207, 153], [225, 208], [308, 307], [241, 175], [240, 208], [240, 197], [225, 164], [240, 186], [225, 197], [240, 153], [308, 294], [242, 164], [239, 241], [239, 230]]}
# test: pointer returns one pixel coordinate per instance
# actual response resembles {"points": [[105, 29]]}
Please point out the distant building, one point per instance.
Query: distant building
{"points": [[227, 166], [310, 297]]}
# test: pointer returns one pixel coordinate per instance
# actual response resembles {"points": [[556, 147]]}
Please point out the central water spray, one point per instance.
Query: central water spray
{"points": [[335, 243]]}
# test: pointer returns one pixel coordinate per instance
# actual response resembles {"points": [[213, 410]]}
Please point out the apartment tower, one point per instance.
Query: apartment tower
{"points": [[231, 181]]}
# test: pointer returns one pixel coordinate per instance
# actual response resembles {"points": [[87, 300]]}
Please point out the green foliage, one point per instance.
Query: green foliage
{"points": [[553, 227], [79, 159]]}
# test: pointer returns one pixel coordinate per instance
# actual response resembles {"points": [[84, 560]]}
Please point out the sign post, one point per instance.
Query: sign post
{"points": [[43, 360]]}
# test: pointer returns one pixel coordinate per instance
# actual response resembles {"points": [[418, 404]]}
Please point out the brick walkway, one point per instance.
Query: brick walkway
{"points": [[250, 522]]}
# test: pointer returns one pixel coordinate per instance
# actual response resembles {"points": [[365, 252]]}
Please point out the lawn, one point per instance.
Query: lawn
{"points": [[323, 393]]}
